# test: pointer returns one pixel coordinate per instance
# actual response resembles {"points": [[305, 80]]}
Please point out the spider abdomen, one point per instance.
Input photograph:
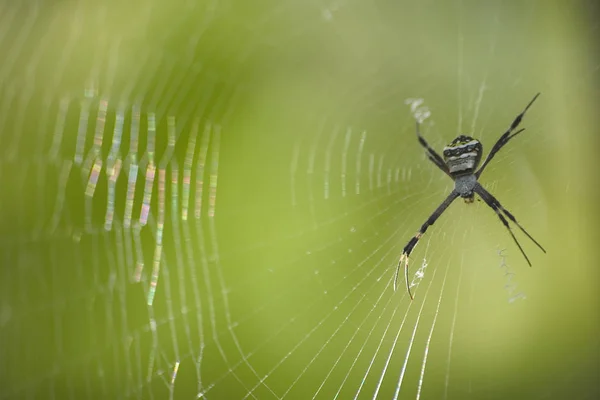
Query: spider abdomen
{"points": [[463, 155]]}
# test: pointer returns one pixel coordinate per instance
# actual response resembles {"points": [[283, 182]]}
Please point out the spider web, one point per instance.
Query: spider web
{"points": [[209, 200]]}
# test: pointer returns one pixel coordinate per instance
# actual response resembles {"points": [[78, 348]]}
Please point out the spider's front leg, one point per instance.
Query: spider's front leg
{"points": [[415, 239], [404, 258], [495, 205]]}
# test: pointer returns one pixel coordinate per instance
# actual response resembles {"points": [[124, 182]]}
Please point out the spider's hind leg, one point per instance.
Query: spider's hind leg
{"points": [[433, 156], [506, 136]]}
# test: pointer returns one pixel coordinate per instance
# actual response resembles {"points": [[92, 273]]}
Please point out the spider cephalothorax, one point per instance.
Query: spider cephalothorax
{"points": [[461, 158]]}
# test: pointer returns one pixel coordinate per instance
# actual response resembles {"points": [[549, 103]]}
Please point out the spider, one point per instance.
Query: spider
{"points": [[461, 158]]}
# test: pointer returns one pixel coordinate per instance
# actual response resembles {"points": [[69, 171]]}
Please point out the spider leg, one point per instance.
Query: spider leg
{"points": [[497, 207], [431, 153], [513, 219], [506, 137], [415, 239]]}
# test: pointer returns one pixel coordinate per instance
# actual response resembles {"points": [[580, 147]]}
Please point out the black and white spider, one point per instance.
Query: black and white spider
{"points": [[461, 158]]}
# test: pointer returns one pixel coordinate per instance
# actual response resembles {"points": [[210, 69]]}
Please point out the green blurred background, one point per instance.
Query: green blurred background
{"points": [[294, 156]]}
